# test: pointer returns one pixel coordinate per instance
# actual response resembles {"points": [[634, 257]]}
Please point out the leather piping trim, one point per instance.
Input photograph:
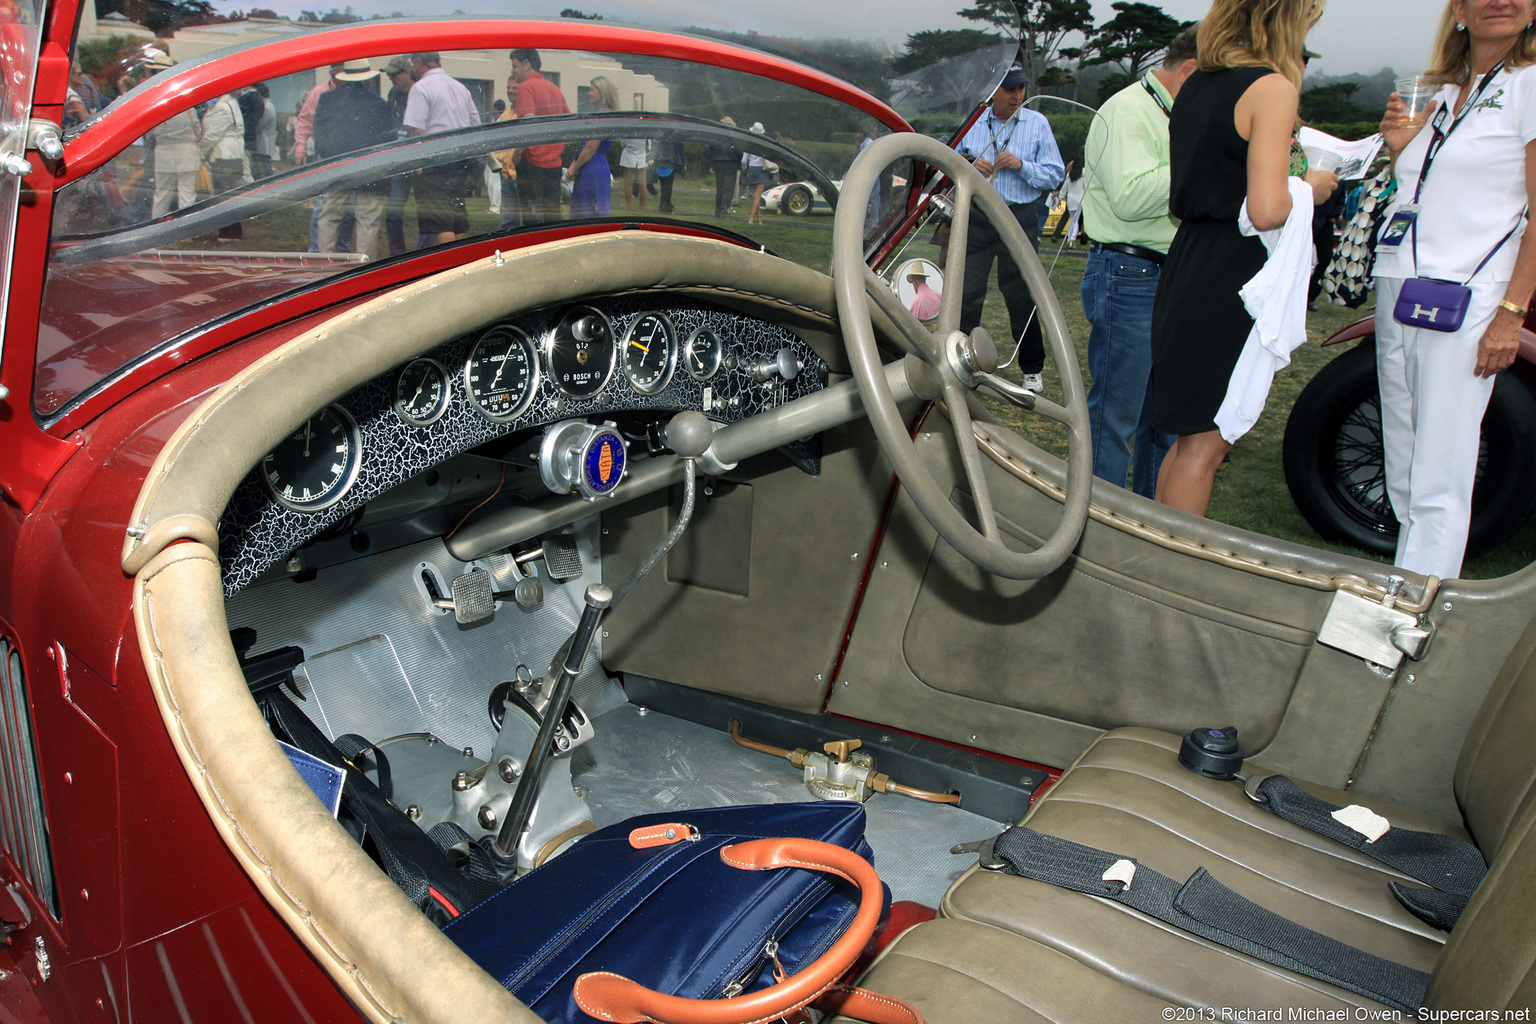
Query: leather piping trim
{"points": [[1348, 582], [405, 969]]}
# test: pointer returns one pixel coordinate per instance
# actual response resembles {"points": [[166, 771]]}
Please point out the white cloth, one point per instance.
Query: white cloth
{"points": [[1431, 418], [1276, 298], [438, 102], [635, 154], [1484, 157], [223, 131]]}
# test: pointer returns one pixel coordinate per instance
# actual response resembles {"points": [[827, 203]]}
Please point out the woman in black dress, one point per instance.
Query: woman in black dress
{"points": [[1230, 141]]}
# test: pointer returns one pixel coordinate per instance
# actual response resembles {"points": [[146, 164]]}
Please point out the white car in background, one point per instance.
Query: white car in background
{"points": [[803, 197]]}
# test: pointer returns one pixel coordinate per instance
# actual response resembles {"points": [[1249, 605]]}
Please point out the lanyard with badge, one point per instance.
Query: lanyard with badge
{"points": [[1425, 301], [1407, 215]]}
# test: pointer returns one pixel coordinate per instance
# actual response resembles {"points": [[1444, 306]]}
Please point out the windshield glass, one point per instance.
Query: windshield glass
{"points": [[287, 180]]}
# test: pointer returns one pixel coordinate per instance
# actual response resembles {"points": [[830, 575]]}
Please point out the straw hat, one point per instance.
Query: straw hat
{"points": [[358, 70]]}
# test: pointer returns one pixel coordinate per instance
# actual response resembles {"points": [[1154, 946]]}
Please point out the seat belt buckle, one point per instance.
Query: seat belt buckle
{"points": [[986, 855]]}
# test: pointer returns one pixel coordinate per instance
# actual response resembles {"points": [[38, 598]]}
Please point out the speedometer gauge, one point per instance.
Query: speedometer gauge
{"points": [[502, 372], [650, 352], [580, 352], [313, 467]]}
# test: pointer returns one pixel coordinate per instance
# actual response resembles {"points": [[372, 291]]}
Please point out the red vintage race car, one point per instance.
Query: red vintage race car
{"points": [[419, 630]]}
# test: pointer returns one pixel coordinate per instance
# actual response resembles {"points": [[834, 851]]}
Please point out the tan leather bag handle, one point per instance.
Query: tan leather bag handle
{"points": [[613, 997]]}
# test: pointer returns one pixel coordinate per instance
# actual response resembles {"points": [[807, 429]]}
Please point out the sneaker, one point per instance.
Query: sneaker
{"points": [[1034, 382]]}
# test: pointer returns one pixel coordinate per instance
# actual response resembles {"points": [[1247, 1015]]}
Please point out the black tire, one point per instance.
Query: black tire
{"points": [[797, 199], [1333, 458]]}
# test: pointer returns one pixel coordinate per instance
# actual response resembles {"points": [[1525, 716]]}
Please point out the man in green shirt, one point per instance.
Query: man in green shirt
{"points": [[1125, 212]]}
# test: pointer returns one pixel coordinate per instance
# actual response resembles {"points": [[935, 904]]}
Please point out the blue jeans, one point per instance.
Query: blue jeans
{"points": [[1118, 292], [511, 203]]}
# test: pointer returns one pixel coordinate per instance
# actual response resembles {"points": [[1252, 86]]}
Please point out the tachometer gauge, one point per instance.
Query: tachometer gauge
{"points": [[502, 372], [650, 353], [422, 392], [702, 354], [314, 466], [580, 352]]}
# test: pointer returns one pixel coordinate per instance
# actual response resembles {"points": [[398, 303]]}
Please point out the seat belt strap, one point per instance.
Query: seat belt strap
{"points": [[1203, 906], [1452, 867]]}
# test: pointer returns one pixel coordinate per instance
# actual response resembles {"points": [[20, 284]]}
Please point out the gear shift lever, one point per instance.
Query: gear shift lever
{"points": [[688, 434], [598, 599]]}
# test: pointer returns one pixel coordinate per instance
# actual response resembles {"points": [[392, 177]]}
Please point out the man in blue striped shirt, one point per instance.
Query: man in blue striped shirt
{"points": [[1015, 149]]}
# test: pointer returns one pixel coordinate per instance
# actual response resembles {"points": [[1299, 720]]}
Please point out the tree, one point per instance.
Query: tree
{"points": [[1045, 26], [162, 16], [571, 12], [1134, 38], [932, 46], [1333, 104]]}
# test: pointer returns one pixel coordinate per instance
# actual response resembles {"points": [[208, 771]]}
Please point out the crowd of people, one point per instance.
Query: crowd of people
{"points": [[1195, 198], [235, 139], [1201, 208]]}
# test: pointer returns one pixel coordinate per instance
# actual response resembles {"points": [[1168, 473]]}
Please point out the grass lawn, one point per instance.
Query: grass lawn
{"points": [[1250, 490]]}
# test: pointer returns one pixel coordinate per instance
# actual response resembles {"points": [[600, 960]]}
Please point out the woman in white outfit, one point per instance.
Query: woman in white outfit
{"points": [[1477, 148], [633, 160]]}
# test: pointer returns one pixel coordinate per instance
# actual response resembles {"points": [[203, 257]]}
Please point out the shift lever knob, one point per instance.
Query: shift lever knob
{"points": [[689, 434]]}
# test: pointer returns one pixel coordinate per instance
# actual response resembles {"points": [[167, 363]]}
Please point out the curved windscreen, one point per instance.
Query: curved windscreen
{"points": [[284, 182]]}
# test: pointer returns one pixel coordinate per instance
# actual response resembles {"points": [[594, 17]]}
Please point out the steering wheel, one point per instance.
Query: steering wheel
{"points": [[945, 362]]}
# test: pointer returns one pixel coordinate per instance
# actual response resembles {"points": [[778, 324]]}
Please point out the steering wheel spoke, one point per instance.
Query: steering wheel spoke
{"points": [[970, 458], [954, 363]]}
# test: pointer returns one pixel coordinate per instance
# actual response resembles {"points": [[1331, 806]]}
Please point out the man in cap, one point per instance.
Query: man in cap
{"points": [[1125, 212], [925, 301], [1013, 147], [438, 102], [349, 117], [538, 167]]}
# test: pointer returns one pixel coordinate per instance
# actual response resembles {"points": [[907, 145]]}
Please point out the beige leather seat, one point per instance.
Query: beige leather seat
{"points": [[1007, 948]]}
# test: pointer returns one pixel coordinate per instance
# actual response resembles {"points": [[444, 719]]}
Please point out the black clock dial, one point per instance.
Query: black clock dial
{"points": [[702, 353], [650, 352], [422, 392], [580, 352], [502, 372], [314, 466]]}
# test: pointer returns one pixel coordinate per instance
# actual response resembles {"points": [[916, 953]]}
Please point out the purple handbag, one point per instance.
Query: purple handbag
{"points": [[1432, 304]]}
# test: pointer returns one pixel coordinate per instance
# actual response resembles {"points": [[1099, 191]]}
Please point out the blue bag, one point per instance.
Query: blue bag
{"points": [[672, 917]]}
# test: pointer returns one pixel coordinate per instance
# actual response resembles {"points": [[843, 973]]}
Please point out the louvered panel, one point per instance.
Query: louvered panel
{"points": [[23, 822]]}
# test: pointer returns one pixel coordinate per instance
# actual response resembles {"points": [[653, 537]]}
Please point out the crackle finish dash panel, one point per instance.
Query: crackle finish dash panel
{"points": [[710, 370]]}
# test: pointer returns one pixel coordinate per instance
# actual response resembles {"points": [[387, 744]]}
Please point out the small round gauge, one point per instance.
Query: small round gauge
{"points": [[313, 467], [580, 352], [702, 353], [650, 353], [502, 372], [422, 392]]}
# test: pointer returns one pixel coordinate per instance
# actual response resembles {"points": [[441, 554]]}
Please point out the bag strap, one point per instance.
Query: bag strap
{"points": [[1203, 906], [1452, 867]]}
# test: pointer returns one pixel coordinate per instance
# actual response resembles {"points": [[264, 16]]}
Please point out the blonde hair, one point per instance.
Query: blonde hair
{"points": [[605, 89], [1257, 33], [1453, 51]]}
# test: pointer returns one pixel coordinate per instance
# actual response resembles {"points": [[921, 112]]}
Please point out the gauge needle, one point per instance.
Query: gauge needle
{"points": [[501, 366], [308, 432], [639, 346]]}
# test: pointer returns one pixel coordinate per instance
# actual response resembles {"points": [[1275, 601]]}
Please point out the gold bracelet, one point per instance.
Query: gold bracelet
{"points": [[1519, 311]]}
